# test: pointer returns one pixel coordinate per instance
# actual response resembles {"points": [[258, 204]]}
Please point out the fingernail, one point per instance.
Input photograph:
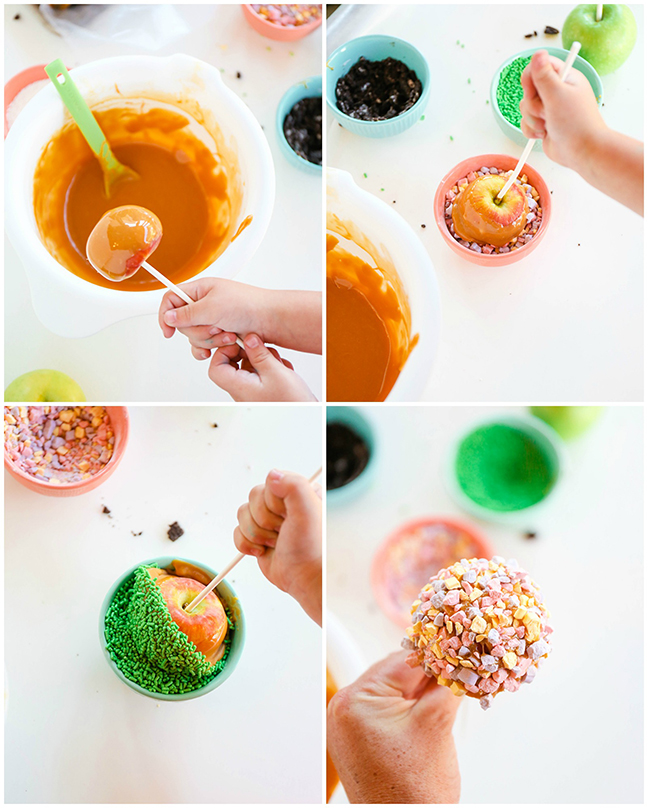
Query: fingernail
{"points": [[276, 475], [215, 330], [206, 354], [539, 135], [229, 340], [257, 551], [542, 57], [170, 318], [252, 341]]}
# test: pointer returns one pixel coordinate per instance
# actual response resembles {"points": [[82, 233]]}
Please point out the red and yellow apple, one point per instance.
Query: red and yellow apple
{"points": [[478, 215], [206, 625]]}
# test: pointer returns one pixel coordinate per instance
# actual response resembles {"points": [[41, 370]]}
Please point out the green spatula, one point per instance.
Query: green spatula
{"points": [[113, 171]]}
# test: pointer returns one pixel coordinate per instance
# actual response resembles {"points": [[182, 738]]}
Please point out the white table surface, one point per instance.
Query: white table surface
{"points": [[74, 732], [565, 324], [576, 734], [106, 365]]}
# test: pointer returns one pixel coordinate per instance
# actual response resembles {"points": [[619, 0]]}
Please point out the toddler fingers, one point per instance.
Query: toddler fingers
{"points": [[200, 353], [252, 531], [169, 301], [261, 514], [245, 546]]}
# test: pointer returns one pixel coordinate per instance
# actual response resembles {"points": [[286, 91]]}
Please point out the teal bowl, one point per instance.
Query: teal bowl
{"points": [[513, 132], [375, 48], [549, 443], [353, 418], [303, 89], [227, 596]]}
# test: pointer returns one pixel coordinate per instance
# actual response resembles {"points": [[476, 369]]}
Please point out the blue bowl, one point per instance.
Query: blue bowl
{"points": [[376, 47], [580, 64], [303, 89], [353, 418], [227, 596]]}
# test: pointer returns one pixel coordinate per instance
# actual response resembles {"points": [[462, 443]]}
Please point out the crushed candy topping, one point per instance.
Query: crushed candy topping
{"points": [[479, 627]]}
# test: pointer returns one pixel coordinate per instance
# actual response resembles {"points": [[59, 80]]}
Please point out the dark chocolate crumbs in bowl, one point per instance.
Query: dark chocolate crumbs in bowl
{"points": [[347, 455], [175, 531], [377, 91], [303, 129]]}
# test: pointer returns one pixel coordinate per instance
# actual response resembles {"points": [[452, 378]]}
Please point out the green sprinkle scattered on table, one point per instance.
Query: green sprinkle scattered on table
{"points": [[382, 189], [463, 46], [451, 138], [422, 117], [509, 90], [365, 175], [468, 81]]}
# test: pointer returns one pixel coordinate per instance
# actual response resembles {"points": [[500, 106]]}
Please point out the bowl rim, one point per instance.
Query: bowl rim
{"points": [[379, 562], [494, 258], [527, 423], [80, 484], [201, 691], [301, 162], [578, 61], [421, 101]]}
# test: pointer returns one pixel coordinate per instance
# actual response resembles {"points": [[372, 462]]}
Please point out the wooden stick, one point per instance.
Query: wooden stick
{"points": [[170, 285], [221, 575], [569, 61]]}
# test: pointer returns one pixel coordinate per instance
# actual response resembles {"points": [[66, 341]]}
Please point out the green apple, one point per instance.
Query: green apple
{"points": [[606, 44], [43, 386], [569, 422]]}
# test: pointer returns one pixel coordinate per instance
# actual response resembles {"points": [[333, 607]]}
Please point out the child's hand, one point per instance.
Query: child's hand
{"points": [[281, 525], [256, 374], [222, 309], [563, 113], [390, 736]]}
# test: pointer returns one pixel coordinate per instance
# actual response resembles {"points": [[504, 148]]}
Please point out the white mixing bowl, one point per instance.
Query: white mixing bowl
{"points": [[67, 304], [395, 241]]}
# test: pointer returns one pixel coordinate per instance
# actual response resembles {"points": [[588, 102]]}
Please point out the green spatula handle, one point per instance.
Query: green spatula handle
{"points": [[80, 111]]}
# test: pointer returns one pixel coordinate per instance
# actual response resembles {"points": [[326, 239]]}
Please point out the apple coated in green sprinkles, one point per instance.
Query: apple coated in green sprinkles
{"points": [[148, 647]]}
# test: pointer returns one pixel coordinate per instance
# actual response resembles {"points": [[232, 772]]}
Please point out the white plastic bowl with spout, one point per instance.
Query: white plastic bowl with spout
{"points": [[67, 304], [386, 229]]}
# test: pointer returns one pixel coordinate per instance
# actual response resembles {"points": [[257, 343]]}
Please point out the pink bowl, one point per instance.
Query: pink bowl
{"points": [[18, 83], [120, 423], [381, 569], [503, 162], [278, 32]]}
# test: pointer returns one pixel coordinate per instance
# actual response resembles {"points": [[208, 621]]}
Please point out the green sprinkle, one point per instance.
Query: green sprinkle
{"points": [[510, 92], [451, 138], [468, 81], [463, 46], [382, 189], [422, 117], [290, 53], [457, 42], [503, 468], [487, 101], [148, 647], [365, 176]]}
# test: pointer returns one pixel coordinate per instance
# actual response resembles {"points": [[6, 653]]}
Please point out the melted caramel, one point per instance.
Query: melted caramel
{"points": [[478, 215], [332, 778], [122, 240], [367, 325], [181, 181]]}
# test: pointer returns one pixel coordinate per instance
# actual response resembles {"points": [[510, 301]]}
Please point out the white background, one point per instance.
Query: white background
{"points": [[131, 361], [564, 324], [575, 735], [75, 733]]}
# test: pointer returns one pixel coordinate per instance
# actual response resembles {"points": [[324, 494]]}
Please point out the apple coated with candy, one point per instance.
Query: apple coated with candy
{"points": [[481, 222]]}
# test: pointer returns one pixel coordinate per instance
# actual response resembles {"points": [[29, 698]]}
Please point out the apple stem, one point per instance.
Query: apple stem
{"points": [[599, 12]]}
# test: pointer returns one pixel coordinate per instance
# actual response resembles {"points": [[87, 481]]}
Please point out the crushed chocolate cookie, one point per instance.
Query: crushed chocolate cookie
{"points": [[550, 30], [133, 533], [215, 426], [377, 91], [530, 534], [238, 74], [106, 510], [175, 531], [303, 129]]}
